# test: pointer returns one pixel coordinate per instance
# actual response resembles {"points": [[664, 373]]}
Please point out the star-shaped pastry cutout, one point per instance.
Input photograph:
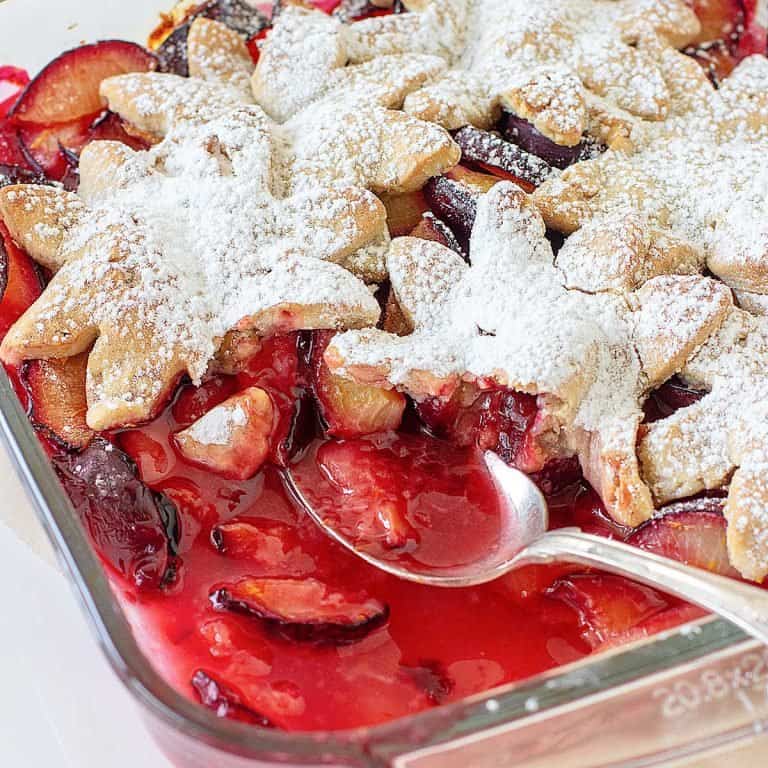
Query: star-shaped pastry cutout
{"points": [[347, 138], [164, 252], [699, 176], [721, 438], [510, 319], [567, 66], [230, 225], [309, 55]]}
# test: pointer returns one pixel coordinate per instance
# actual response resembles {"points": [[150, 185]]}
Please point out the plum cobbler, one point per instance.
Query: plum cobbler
{"points": [[369, 241]]}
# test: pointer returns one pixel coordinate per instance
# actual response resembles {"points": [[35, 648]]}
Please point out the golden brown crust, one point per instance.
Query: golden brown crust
{"points": [[218, 54], [40, 219], [745, 511], [676, 315]]}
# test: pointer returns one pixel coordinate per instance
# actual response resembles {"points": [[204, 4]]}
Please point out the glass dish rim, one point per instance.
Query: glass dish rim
{"points": [[555, 688]]}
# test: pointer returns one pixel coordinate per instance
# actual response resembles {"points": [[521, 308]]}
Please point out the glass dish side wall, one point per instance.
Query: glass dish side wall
{"points": [[684, 693]]}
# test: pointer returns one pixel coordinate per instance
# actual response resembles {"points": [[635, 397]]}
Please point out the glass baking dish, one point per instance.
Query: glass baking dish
{"points": [[672, 699], [682, 694]]}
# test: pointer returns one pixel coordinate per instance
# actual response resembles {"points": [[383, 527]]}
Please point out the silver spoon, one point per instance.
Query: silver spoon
{"points": [[525, 540]]}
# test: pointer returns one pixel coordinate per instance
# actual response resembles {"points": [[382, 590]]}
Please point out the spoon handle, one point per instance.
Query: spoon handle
{"points": [[744, 605]]}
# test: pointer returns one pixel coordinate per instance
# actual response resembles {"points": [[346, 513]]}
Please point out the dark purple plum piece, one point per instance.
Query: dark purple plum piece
{"points": [[522, 133], [172, 54], [302, 610], [225, 702], [124, 518], [17, 174], [490, 149], [354, 10], [668, 398], [455, 204], [432, 228], [236, 14], [71, 178]]}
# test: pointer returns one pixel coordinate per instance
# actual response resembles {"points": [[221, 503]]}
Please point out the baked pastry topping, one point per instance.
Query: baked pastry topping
{"points": [[665, 172], [231, 222], [551, 63], [721, 438], [309, 55], [161, 255], [591, 356], [578, 281]]}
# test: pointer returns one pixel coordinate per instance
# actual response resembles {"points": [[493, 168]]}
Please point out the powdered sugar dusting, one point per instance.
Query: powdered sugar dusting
{"points": [[309, 56], [216, 426], [206, 232], [548, 60], [700, 175], [510, 319]]}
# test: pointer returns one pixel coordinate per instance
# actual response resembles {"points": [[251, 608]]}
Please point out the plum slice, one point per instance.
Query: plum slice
{"points": [[357, 10], [236, 14], [303, 610], [68, 87], [455, 204], [57, 109], [125, 519], [57, 399], [502, 158], [273, 546], [56, 149], [613, 610], [21, 281], [350, 409], [730, 30], [172, 53], [453, 199], [522, 133], [431, 228], [668, 398], [225, 701], [495, 418], [692, 532]]}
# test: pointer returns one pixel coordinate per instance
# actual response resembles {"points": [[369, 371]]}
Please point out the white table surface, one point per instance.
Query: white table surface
{"points": [[60, 704]]}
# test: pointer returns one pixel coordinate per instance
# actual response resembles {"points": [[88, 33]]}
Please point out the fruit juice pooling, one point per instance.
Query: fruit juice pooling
{"points": [[436, 645]]}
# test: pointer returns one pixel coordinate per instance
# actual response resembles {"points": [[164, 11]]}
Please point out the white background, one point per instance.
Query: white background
{"points": [[60, 704]]}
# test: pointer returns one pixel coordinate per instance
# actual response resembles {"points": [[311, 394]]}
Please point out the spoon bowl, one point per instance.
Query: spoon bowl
{"points": [[525, 540]]}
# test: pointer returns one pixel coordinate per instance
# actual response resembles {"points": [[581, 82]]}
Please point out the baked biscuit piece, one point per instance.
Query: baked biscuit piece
{"points": [[509, 318], [165, 252], [309, 56], [698, 177], [721, 438], [567, 66]]}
